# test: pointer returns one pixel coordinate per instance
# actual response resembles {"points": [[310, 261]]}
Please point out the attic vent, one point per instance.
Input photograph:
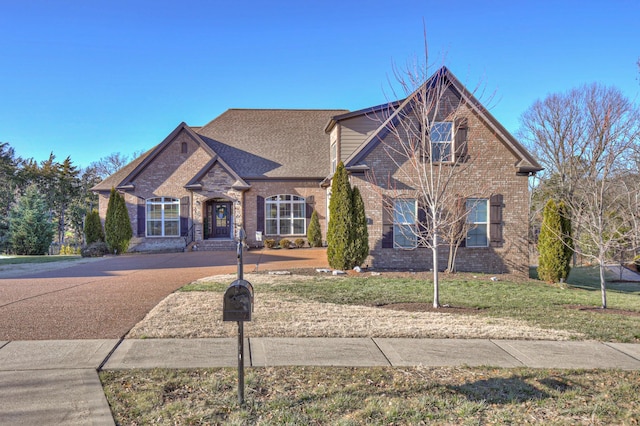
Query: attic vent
{"points": [[184, 148]]}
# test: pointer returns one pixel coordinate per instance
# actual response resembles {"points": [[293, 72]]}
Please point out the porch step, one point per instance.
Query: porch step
{"points": [[213, 245]]}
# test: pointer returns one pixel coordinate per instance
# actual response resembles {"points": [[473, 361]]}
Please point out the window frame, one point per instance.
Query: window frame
{"points": [[436, 146], [163, 202], [474, 224], [285, 210], [408, 223]]}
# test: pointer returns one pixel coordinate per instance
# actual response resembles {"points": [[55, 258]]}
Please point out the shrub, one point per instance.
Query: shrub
{"points": [[314, 233], [554, 244], [299, 242], [93, 227], [269, 243], [285, 244], [117, 225], [359, 248], [96, 249], [340, 213], [30, 228]]}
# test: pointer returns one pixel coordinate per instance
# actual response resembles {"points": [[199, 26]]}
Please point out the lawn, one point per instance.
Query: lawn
{"points": [[355, 396], [16, 260]]}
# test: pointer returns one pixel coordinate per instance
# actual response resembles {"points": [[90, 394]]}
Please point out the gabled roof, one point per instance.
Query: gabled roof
{"points": [[526, 164], [272, 143]]}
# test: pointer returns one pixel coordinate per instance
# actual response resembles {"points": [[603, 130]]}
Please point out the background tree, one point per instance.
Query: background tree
{"points": [[359, 232], [117, 225], [30, 230], [586, 139], [93, 228], [340, 220], [314, 233], [111, 163]]}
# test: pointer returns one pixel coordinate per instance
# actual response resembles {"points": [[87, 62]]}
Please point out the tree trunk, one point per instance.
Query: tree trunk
{"points": [[603, 285], [436, 283]]}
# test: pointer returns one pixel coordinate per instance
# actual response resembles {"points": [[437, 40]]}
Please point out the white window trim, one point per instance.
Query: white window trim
{"points": [[295, 200], [407, 222], [449, 142], [161, 201], [472, 224]]}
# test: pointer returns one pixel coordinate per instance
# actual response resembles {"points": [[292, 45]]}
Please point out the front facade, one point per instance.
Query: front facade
{"points": [[266, 171]]}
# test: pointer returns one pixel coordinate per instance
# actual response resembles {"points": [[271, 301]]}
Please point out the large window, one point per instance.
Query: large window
{"points": [[285, 215], [477, 219], [163, 217], [441, 141], [404, 223]]}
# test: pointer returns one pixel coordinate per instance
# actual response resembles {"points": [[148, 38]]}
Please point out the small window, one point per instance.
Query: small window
{"points": [[163, 217], [404, 223], [184, 148], [334, 157], [285, 215], [477, 219], [441, 141]]}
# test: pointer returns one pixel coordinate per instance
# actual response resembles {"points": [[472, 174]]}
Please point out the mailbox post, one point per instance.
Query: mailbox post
{"points": [[237, 305]]}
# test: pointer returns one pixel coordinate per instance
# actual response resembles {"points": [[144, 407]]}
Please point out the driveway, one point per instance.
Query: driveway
{"points": [[105, 298]]}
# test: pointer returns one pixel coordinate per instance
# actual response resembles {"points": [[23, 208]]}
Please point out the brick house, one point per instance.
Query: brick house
{"points": [[267, 170]]}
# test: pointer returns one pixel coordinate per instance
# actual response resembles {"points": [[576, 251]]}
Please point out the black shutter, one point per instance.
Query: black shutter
{"points": [[461, 140], [309, 208], [260, 214], [184, 216], [423, 226], [387, 222], [495, 220], [142, 210], [461, 221]]}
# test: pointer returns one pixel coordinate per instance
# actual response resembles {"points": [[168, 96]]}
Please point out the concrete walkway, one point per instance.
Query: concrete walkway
{"points": [[56, 382]]}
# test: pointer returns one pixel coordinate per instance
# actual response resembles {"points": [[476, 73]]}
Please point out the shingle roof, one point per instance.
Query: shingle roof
{"points": [[272, 143]]}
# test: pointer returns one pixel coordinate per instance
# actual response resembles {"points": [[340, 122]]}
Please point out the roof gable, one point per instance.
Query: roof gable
{"points": [[526, 162]]}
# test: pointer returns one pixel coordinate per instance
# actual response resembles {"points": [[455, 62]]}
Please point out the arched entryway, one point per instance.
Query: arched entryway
{"points": [[218, 219]]}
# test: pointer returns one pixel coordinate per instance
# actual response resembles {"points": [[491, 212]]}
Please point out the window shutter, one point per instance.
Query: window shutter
{"points": [[423, 227], [260, 214], [184, 216], [387, 222], [142, 210], [495, 220], [309, 208], [461, 222], [461, 140]]}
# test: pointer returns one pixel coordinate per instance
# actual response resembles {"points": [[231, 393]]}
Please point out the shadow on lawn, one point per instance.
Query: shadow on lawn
{"points": [[510, 390]]}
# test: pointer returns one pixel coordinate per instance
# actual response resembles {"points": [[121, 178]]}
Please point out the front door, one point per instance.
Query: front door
{"points": [[221, 219]]}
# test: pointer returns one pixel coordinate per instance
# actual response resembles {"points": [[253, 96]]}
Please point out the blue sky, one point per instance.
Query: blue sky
{"points": [[87, 78]]}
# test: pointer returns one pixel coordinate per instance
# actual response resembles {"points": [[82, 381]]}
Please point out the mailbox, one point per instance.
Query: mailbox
{"points": [[238, 301]]}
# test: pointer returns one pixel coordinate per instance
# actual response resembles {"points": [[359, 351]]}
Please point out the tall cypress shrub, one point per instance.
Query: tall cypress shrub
{"points": [[117, 225], [314, 233], [551, 263], [567, 237], [340, 218], [93, 228], [359, 231]]}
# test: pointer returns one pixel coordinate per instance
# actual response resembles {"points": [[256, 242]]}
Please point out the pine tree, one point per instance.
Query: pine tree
{"points": [[340, 219], [314, 233], [30, 229], [117, 225], [551, 263], [359, 231], [93, 228]]}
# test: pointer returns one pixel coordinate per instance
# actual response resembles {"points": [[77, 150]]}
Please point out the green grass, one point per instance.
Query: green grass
{"points": [[36, 259], [357, 396], [537, 303]]}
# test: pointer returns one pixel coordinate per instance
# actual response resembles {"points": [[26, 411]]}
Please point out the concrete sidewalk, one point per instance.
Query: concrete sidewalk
{"points": [[56, 382]]}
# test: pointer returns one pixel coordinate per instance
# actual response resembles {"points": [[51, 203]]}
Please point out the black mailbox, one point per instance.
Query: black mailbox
{"points": [[238, 301]]}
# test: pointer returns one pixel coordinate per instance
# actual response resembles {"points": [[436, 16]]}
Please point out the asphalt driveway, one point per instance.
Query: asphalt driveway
{"points": [[105, 298]]}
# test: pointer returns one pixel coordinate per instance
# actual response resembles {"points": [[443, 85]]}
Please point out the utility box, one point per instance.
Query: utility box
{"points": [[237, 304]]}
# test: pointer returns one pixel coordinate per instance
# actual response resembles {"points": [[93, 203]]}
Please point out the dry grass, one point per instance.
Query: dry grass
{"points": [[199, 315]]}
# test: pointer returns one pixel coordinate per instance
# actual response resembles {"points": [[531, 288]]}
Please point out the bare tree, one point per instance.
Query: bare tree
{"points": [[586, 139], [113, 162], [425, 139]]}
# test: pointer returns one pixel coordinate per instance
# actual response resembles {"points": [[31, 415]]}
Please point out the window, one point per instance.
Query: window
{"points": [[477, 219], [334, 157], [163, 217], [285, 215], [441, 141], [404, 223]]}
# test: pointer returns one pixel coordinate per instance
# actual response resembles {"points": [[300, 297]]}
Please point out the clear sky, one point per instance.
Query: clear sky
{"points": [[86, 78]]}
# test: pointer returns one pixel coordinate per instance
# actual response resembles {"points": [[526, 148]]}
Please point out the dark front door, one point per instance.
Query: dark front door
{"points": [[221, 219]]}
